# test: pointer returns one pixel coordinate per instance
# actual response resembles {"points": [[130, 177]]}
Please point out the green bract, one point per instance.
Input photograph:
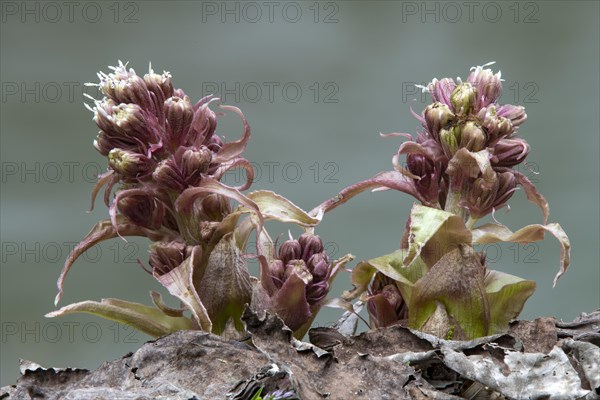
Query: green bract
{"points": [[440, 276]]}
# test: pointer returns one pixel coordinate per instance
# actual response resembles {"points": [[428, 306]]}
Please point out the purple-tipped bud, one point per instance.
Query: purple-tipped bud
{"points": [[507, 185], [318, 265], [179, 114], [487, 84], [141, 210], [125, 86], [472, 137], [516, 114], [496, 126], [311, 244], [204, 125], [429, 177], [214, 143], [298, 268], [385, 305], [194, 163], [161, 85], [122, 126], [437, 116], [167, 175], [440, 90], [482, 200], [166, 256], [463, 98], [290, 250], [450, 140], [277, 272], [316, 292], [214, 208], [510, 152], [129, 164]]}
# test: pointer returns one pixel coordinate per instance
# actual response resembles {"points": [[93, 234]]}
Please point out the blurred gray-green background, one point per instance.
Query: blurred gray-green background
{"points": [[317, 81]]}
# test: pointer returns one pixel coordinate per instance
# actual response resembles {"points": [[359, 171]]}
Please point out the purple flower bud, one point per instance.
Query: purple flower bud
{"points": [[160, 85], [277, 272], [141, 210], [463, 99], [510, 152], [194, 163], [129, 164], [496, 126], [203, 128], [516, 114], [507, 185], [437, 116], [125, 86], [214, 208], [168, 175], [122, 126], [450, 140], [316, 292], [290, 250], [214, 143], [166, 256], [297, 267], [385, 305], [429, 176], [311, 244], [481, 199], [440, 90], [179, 114], [472, 137], [319, 265], [487, 84]]}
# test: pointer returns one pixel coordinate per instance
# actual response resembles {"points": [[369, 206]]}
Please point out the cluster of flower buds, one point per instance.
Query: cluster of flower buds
{"points": [[385, 303], [166, 163], [297, 280], [462, 160], [159, 144]]}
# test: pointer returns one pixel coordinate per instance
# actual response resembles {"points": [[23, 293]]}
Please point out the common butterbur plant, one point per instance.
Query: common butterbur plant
{"points": [[166, 165], [164, 182], [460, 167]]}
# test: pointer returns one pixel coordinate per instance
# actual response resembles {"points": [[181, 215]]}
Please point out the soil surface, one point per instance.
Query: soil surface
{"points": [[540, 359]]}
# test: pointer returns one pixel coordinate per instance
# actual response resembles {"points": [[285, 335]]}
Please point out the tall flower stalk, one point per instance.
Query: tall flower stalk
{"points": [[461, 168], [164, 181]]}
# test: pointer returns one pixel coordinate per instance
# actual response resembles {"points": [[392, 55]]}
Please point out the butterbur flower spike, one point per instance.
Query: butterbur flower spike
{"points": [[294, 283], [165, 166], [460, 168]]}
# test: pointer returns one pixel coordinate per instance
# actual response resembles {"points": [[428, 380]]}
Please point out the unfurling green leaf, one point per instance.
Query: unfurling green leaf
{"points": [[456, 281], [225, 287], [433, 233], [493, 233], [147, 319], [178, 282], [506, 295], [274, 206]]}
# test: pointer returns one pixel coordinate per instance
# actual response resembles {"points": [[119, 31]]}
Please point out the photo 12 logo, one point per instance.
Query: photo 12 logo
{"points": [[525, 12], [52, 12], [270, 11], [50, 172], [67, 332], [46, 92], [289, 172], [271, 92]]}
